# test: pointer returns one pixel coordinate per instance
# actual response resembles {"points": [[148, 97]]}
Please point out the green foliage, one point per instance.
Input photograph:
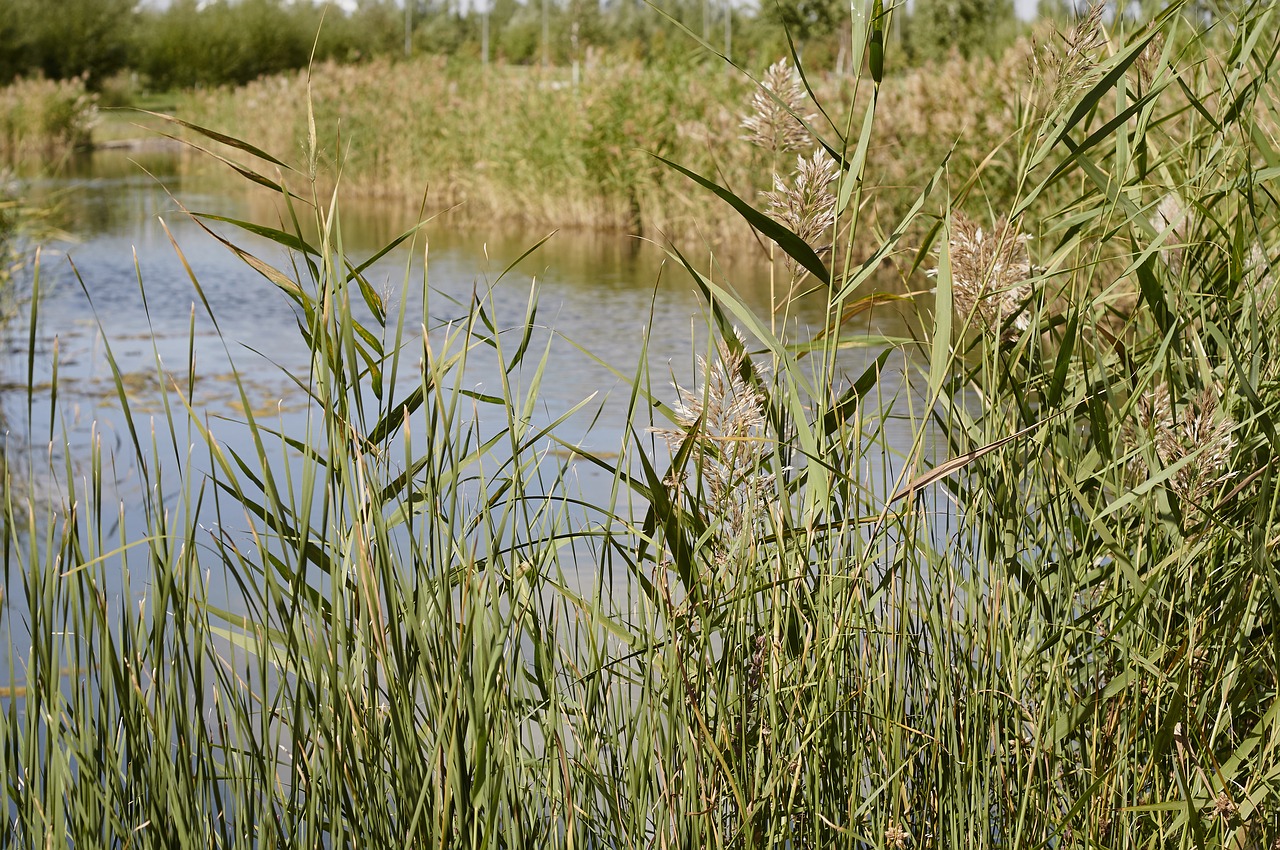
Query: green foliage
{"points": [[1008, 583], [75, 38], [190, 44], [970, 27]]}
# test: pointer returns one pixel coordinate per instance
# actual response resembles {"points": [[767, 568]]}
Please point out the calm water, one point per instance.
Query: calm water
{"points": [[121, 285]]}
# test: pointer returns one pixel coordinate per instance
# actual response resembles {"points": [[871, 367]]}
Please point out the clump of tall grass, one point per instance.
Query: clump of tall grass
{"points": [[1046, 617], [45, 118], [507, 143], [566, 155]]}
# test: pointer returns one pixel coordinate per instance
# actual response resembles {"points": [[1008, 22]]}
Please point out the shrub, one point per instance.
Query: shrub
{"points": [[45, 118]]}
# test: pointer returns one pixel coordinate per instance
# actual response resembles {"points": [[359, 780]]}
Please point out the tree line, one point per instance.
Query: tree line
{"points": [[186, 43]]}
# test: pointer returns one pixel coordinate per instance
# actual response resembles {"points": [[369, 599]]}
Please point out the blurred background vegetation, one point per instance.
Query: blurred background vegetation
{"points": [[123, 44], [569, 92]]}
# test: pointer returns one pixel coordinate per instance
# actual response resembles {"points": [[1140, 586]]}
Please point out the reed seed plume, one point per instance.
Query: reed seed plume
{"points": [[1069, 67], [1259, 268], [1260, 295], [1224, 807], [990, 270], [1147, 65], [807, 205], [1171, 215], [1196, 427], [724, 415], [771, 120]]}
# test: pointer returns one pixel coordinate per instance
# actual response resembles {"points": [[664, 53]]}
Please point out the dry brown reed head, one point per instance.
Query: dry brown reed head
{"points": [[1196, 427], [895, 836], [807, 206], [724, 415], [771, 121], [1172, 216], [1147, 65], [990, 270], [1069, 67]]}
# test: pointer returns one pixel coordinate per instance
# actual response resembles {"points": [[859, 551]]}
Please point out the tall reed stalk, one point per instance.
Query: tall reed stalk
{"points": [[1048, 622]]}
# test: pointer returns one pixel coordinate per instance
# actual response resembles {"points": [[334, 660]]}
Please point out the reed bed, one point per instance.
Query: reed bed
{"points": [[533, 146], [1049, 623], [541, 147], [45, 119]]}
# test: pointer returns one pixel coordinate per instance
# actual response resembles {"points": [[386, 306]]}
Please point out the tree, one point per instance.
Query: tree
{"points": [[89, 37], [972, 27]]}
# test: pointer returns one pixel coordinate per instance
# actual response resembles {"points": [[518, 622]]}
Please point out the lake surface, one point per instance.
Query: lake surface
{"points": [[121, 286]]}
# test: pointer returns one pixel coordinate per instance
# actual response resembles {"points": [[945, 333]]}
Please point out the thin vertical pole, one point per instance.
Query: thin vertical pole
{"points": [[546, 37], [728, 30], [408, 26]]}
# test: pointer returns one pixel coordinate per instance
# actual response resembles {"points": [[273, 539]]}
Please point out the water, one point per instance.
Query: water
{"points": [[122, 286], [603, 292]]}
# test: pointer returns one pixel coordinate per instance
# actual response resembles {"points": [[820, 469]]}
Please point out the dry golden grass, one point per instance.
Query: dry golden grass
{"points": [[45, 118]]}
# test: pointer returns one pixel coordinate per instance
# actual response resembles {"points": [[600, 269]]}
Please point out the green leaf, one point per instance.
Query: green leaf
{"points": [[793, 245]]}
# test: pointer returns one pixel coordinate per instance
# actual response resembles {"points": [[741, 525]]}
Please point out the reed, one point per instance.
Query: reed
{"points": [[528, 145], [1049, 621], [534, 146], [45, 119]]}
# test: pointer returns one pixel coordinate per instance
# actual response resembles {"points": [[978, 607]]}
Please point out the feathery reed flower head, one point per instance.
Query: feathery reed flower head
{"points": [[775, 104], [807, 206], [1259, 267], [1070, 68], [1172, 216], [728, 406], [895, 836], [989, 272], [1260, 285], [724, 415], [1195, 427], [1147, 63]]}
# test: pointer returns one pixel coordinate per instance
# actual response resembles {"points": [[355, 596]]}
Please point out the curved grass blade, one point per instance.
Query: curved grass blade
{"points": [[221, 138], [787, 240], [288, 240]]}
